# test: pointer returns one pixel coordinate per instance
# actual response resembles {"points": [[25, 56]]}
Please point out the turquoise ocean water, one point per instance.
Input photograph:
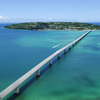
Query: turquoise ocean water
{"points": [[76, 76]]}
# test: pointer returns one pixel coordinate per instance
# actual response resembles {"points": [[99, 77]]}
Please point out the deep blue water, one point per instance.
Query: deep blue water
{"points": [[95, 23], [74, 76]]}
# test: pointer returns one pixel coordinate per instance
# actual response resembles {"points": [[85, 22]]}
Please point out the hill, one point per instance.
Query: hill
{"points": [[54, 26]]}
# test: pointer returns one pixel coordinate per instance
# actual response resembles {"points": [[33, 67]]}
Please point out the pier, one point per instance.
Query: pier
{"points": [[15, 86]]}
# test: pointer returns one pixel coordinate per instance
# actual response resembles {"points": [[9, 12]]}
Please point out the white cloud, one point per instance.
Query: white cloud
{"points": [[44, 19], [50, 18], [7, 19], [82, 20], [3, 18]]}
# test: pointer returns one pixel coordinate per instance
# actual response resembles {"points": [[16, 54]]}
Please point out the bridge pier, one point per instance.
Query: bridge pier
{"points": [[16, 91], [69, 47], [59, 56], [50, 62], [65, 51], [73, 44], [38, 73], [0, 96], [76, 42]]}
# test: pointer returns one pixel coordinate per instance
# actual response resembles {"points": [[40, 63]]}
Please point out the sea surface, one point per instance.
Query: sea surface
{"points": [[76, 76]]}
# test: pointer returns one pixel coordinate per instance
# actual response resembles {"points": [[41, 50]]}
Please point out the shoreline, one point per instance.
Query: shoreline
{"points": [[51, 29]]}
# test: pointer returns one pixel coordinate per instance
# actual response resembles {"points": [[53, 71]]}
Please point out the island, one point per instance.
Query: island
{"points": [[54, 26]]}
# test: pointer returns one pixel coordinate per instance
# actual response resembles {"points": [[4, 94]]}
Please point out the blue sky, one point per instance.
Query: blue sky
{"points": [[49, 10]]}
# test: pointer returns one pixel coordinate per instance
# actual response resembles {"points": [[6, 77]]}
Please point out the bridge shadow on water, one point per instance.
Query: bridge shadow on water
{"points": [[34, 78]]}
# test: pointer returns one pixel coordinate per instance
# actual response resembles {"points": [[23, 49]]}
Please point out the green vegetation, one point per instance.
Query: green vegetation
{"points": [[54, 26]]}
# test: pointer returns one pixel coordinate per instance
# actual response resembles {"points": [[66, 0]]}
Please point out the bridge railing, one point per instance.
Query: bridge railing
{"points": [[15, 86]]}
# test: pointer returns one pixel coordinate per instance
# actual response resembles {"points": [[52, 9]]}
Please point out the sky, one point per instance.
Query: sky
{"points": [[49, 11]]}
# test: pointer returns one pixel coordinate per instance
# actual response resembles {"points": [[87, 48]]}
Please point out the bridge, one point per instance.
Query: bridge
{"points": [[15, 86]]}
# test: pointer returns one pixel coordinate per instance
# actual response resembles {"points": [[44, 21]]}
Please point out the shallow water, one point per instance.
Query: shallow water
{"points": [[74, 77]]}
